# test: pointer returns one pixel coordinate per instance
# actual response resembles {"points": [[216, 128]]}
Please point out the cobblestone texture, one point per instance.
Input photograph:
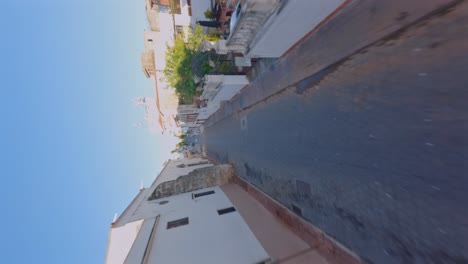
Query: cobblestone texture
{"points": [[381, 140]]}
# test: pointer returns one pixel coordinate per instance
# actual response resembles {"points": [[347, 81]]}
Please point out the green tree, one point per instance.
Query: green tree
{"points": [[209, 14], [178, 71]]}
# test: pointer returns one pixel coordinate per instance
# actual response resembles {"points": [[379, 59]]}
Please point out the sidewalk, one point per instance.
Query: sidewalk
{"points": [[360, 24]]}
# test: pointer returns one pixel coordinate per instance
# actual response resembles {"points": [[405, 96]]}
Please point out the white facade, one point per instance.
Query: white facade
{"points": [[146, 231], [220, 88]]}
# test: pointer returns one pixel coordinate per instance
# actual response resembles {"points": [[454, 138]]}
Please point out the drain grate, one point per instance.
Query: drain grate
{"points": [[243, 123], [296, 210]]}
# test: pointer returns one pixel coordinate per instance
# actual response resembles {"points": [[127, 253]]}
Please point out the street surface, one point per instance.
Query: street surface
{"points": [[373, 150]]}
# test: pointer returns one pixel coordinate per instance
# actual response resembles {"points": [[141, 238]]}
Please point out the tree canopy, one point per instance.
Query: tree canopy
{"points": [[178, 71]]}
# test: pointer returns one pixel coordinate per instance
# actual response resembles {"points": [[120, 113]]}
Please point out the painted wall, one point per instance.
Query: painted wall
{"points": [[120, 242], [209, 237]]}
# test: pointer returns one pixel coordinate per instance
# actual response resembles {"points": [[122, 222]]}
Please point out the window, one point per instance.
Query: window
{"points": [[196, 195], [150, 40], [226, 210], [177, 223]]}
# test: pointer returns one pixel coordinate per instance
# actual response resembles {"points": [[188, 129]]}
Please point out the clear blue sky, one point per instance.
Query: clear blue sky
{"points": [[70, 156]]}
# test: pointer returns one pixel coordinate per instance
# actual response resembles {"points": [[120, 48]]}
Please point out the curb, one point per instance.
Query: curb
{"points": [[329, 248], [251, 95]]}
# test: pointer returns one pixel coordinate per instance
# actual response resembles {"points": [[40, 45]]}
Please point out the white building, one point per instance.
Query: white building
{"points": [[201, 226], [219, 223], [219, 88], [186, 228]]}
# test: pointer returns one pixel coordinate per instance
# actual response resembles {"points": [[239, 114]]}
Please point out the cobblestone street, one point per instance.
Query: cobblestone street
{"points": [[373, 149]]}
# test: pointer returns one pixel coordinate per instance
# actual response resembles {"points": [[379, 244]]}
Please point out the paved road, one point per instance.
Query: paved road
{"points": [[375, 152]]}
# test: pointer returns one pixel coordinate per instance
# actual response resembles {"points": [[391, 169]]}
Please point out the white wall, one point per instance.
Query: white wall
{"points": [[209, 237], [295, 20], [120, 242], [230, 86], [198, 10]]}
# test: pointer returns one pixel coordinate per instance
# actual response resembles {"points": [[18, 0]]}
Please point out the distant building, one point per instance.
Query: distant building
{"points": [[187, 114], [153, 117], [219, 88], [147, 63]]}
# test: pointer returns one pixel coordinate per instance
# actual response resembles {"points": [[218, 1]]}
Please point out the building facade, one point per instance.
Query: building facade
{"points": [[219, 88], [189, 226], [195, 212]]}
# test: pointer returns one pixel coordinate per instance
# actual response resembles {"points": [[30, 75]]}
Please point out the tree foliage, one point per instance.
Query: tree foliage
{"points": [[178, 71], [209, 14]]}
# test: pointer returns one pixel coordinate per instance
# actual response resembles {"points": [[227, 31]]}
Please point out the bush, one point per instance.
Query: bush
{"points": [[209, 14], [178, 71], [212, 36]]}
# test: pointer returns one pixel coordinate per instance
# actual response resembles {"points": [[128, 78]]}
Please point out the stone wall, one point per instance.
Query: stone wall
{"points": [[195, 180]]}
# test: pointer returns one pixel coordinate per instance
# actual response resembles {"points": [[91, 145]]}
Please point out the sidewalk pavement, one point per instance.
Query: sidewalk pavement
{"points": [[375, 152], [360, 24]]}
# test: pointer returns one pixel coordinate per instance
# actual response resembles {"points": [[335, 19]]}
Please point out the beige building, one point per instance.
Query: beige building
{"points": [[147, 63], [165, 22]]}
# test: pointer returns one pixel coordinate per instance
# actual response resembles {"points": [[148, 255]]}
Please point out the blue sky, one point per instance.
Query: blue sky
{"points": [[70, 155]]}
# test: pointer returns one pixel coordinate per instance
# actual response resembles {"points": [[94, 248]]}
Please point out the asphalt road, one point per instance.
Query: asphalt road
{"points": [[374, 151]]}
